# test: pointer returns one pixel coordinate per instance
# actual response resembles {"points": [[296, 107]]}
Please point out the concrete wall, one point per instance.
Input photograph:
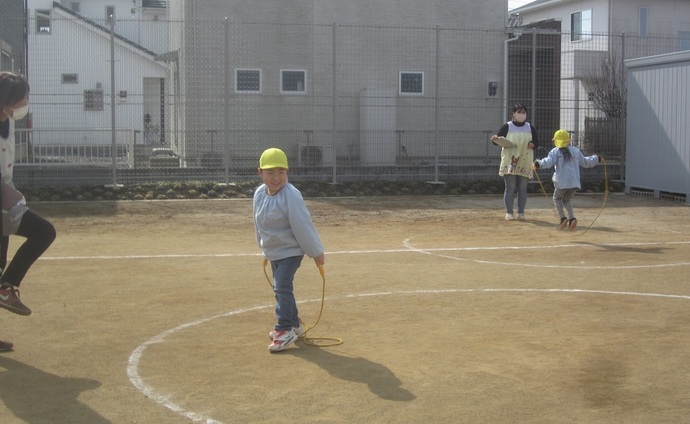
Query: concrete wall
{"points": [[375, 41]]}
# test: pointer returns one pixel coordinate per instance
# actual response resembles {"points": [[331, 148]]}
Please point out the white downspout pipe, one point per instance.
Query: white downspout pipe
{"points": [[505, 70]]}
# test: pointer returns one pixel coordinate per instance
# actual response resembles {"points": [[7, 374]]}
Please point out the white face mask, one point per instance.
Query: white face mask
{"points": [[18, 114]]}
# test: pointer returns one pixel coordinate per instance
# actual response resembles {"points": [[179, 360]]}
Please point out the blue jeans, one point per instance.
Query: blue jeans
{"points": [[286, 307], [513, 182]]}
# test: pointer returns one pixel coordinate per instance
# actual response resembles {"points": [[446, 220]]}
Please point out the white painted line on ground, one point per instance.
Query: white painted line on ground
{"points": [[138, 382], [432, 251], [164, 400], [407, 249]]}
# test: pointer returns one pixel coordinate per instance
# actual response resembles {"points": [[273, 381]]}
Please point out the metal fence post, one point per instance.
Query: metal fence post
{"points": [[226, 102], [533, 114], [624, 127], [436, 100], [335, 103], [113, 143]]}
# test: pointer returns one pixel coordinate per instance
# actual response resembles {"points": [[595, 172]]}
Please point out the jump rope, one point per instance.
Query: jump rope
{"points": [[334, 341], [313, 341], [606, 193]]}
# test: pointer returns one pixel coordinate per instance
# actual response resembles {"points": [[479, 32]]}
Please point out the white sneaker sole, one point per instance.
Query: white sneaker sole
{"points": [[283, 343]]}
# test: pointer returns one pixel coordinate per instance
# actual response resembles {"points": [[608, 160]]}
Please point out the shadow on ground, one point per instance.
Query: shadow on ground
{"points": [[36, 396], [380, 380]]}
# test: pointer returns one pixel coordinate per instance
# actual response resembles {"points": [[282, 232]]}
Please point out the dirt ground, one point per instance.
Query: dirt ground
{"points": [[158, 312]]}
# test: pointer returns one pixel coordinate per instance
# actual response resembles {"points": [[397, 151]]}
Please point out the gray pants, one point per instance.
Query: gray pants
{"points": [[562, 199]]}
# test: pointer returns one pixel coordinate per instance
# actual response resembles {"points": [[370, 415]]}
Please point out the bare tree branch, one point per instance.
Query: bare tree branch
{"points": [[608, 88]]}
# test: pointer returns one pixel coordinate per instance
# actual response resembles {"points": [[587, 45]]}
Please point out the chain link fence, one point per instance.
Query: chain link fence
{"points": [[345, 102]]}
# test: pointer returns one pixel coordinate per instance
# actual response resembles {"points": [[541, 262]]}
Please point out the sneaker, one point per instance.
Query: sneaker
{"points": [[9, 299], [572, 223], [5, 346], [521, 217], [282, 340], [298, 330], [510, 217], [564, 223]]}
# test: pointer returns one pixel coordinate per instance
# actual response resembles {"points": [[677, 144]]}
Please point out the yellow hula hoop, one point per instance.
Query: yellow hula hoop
{"points": [[313, 341]]}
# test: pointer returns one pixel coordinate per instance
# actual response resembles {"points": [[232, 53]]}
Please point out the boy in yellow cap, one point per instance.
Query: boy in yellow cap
{"points": [[285, 233], [567, 161]]}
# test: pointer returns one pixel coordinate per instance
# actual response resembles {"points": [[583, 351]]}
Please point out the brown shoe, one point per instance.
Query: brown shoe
{"points": [[5, 346], [564, 223], [9, 299], [572, 223]]}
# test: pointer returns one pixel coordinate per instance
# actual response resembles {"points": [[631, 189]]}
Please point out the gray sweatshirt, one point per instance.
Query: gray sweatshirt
{"points": [[283, 224], [567, 174]]}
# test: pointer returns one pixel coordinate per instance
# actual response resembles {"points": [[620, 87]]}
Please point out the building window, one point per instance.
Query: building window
{"points": [[293, 81], [643, 21], [683, 40], [411, 83], [93, 99], [43, 21], [248, 80], [5, 61], [75, 6], [581, 25], [70, 78]]}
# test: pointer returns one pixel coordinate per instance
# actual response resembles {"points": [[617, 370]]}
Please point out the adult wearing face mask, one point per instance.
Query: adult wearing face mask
{"points": [[518, 140], [17, 218]]}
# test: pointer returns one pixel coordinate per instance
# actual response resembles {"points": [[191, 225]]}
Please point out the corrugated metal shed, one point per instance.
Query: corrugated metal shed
{"points": [[658, 128]]}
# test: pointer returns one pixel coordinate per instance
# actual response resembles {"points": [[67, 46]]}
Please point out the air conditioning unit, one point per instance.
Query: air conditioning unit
{"points": [[309, 155]]}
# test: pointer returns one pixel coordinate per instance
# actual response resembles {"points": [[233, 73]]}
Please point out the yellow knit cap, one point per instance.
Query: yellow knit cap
{"points": [[561, 138]]}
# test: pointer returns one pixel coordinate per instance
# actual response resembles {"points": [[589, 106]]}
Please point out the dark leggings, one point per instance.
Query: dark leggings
{"points": [[39, 234]]}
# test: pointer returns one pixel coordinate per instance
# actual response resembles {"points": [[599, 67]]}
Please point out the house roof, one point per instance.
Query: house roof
{"points": [[57, 5], [681, 56], [536, 4]]}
